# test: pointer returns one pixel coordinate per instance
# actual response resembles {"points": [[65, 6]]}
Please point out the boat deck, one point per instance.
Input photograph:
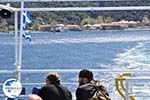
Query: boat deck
{"points": [[134, 85]]}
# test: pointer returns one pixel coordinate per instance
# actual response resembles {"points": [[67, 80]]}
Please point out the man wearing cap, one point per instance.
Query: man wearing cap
{"points": [[54, 90], [87, 84]]}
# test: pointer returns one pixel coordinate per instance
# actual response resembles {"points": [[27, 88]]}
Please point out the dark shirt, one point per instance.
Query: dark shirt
{"points": [[55, 92], [85, 92]]}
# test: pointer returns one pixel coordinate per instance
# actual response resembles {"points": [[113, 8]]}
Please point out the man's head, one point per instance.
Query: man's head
{"points": [[34, 97], [85, 76], [52, 78]]}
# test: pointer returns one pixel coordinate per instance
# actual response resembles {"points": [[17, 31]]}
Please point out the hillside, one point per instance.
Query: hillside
{"points": [[78, 17]]}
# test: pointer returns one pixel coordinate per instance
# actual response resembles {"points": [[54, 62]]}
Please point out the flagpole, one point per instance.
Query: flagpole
{"points": [[20, 41], [16, 43]]}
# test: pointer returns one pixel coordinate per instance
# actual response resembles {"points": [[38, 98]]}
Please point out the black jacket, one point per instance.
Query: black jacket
{"points": [[86, 91], [55, 92]]}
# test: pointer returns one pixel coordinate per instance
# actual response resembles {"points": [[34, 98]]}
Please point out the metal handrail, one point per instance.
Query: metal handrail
{"points": [[55, 0], [77, 70], [82, 8], [135, 71], [127, 83], [36, 71]]}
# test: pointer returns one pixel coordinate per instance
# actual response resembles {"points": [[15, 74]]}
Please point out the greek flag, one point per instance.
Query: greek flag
{"points": [[26, 20]]}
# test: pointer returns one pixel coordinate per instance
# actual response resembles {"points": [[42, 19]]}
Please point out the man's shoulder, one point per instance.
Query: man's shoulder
{"points": [[50, 87], [86, 91], [87, 86], [63, 88]]}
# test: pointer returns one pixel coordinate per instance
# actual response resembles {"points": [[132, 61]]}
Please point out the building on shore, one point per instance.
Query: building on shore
{"points": [[112, 26], [73, 27], [60, 27]]}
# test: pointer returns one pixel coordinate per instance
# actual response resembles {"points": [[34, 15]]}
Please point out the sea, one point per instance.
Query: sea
{"points": [[108, 49]]}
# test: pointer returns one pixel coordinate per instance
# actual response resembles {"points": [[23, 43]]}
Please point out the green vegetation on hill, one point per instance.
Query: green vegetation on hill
{"points": [[77, 17], [80, 17]]}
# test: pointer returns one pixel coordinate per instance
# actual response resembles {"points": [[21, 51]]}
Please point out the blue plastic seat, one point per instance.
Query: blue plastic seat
{"points": [[35, 90]]}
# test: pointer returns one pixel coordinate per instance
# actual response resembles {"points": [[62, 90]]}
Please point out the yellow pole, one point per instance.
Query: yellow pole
{"points": [[119, 81]]}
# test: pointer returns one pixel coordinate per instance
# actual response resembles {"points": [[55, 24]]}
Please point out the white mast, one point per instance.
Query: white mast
{"points": [[16, 44], [17, 64], [20, 42]]}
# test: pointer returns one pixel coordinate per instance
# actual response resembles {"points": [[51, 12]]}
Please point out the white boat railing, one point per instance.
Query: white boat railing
{"points": [[137, 75], [129, 89], [56, 0], [18, 38], [74, 70]]}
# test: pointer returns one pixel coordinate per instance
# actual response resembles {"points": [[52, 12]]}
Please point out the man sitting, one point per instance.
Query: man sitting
{"points": [[89, 89]]}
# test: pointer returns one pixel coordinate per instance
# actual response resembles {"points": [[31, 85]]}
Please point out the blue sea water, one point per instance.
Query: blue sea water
{"points": [[127, 49]]}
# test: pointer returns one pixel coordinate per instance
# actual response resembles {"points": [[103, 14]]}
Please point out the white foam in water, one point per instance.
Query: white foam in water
{"points": [[136, 58], [130, 56], [85, 39], [95, 39]]}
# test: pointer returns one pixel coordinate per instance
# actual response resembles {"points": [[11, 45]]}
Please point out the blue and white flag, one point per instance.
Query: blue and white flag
{"points": [[26, 20]]}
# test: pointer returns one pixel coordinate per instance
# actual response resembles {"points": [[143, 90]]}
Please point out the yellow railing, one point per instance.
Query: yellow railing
{"points": [[119, 81]]}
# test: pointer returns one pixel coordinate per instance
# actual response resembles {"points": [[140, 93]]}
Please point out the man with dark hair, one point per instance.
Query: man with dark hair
{"points": [[88, 87], [54, 90]]}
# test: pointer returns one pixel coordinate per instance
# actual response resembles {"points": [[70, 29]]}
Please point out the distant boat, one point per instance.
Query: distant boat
{"points": [[59, 29]]}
